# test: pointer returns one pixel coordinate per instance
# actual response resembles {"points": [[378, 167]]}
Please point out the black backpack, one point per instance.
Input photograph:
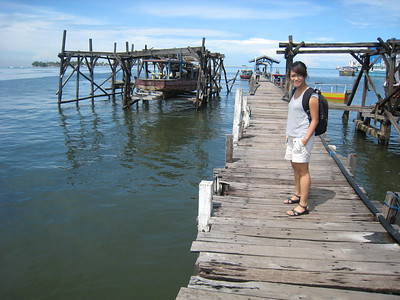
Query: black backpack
{"points": [[323, 109]]}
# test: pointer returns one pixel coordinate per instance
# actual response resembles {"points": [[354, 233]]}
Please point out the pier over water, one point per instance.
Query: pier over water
{"points": [[252, 249]]}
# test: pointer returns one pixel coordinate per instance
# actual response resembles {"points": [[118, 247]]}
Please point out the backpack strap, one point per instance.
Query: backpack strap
{"points": [[306, 99], [293, 91]]}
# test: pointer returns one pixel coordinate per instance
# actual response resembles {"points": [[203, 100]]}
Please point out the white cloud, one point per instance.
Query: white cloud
{"points": [[372, 13]]}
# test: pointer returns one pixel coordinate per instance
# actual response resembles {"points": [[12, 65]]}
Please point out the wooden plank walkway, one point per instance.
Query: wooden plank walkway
{"points": [[254, 250]]}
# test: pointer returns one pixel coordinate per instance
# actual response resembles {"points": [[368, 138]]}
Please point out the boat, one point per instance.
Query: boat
{"points": [[335, 93], [350, 69], [377, 70], [169, 76], [246, 74], [347, 71]]}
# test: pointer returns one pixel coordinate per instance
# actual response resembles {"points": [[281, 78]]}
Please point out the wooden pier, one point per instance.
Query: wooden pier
{"points": [[250, 248], [209, 68]]}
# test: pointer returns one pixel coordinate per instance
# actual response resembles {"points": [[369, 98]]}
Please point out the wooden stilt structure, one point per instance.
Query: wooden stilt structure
{"points": [[209, 80], [386, 110]]}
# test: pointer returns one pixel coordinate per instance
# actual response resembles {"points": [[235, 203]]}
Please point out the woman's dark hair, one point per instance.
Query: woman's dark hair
{"points": [[300, 68]]}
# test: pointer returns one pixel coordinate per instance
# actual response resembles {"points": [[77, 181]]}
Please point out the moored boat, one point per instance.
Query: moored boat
{"points": [[335, 93], [377, 70], [246, 74], [169, 76], [349, 70]]}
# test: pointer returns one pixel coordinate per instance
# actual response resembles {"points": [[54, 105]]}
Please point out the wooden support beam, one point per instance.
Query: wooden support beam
{"points": [[336, 51], [365, 68], [333, 45], [382, 134], [139, 53]]}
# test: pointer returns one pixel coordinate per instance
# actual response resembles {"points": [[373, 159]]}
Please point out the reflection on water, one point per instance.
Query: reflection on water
{"points": [[100, 202]]}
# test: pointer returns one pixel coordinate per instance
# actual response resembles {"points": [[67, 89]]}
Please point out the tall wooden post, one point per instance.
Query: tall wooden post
{"points": [[365, 90], [289, 62], [392, 67], [114, 70], [91, 67], [60, 78], [345, 115], [221, 66], [384, 134], [200, 91], [127, 80], [77, 80], [209, 78]]}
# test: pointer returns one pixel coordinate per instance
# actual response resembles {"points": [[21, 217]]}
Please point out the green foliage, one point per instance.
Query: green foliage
{"points": [[45, 64]]}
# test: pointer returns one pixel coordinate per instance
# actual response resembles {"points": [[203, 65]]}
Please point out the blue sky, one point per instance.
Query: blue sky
{"points": [[32, 29]]}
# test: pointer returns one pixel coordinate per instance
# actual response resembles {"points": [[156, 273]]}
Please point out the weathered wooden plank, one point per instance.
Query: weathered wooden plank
{"points": [[307, 253], [263, 234], [276, 205], [369, 282], [196, 294], [279, 291], [300, 224], [298, 263]]}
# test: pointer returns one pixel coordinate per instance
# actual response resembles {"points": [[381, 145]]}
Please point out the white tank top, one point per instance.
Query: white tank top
{"points": [[297, 121]]}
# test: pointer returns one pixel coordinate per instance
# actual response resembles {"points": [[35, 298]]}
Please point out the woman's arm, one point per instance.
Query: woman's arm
{"points": [[314, 113]]}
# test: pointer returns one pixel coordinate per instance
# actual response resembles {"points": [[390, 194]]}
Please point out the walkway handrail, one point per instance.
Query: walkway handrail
{"points": [[395, 234]]}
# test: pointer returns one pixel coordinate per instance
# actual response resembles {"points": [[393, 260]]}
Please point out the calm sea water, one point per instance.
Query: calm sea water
{"points": [[101, 203]]}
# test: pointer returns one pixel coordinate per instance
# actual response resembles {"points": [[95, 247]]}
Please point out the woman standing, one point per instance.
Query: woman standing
{"points": [[300, 138]]}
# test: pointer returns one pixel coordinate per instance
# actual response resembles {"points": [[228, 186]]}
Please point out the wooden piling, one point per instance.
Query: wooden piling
{"points": [[352, 162], [62, 62], [205, 205], [391, 207], [237, 115], [229, 148]]}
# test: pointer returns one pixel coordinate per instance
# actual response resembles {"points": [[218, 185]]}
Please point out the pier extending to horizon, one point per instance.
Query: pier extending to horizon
{"points": [[248, 248]]}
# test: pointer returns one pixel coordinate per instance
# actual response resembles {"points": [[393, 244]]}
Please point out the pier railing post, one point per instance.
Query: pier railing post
{"points": [[229, 148], [390, 210], [352, 162], [205, 205], [246, 113], [237, 114]]}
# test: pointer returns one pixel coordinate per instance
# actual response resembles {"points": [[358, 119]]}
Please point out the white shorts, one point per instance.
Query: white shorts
{"points": [[297, 152]]}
